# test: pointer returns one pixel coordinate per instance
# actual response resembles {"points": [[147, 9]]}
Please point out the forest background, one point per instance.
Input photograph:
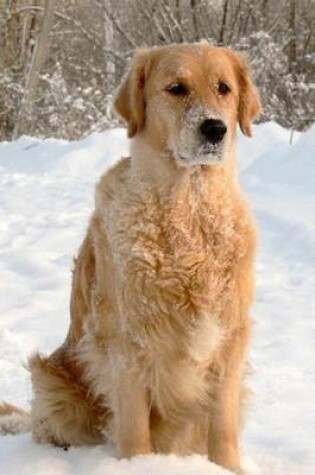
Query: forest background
{"points": [[61, 60]]}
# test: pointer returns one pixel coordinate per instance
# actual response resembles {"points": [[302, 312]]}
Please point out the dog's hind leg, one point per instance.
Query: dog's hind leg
{"points": [[63, 412]]}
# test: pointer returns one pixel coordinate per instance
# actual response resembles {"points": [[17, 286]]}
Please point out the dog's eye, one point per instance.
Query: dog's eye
{"points": [[223, 88], [177, 89]]}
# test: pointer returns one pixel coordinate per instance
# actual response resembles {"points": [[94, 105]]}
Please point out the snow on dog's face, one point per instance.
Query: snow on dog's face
{"points": [[187, 100]]}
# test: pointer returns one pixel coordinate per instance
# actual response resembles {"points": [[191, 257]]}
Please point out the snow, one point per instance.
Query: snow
{"points": [[45, 201]]}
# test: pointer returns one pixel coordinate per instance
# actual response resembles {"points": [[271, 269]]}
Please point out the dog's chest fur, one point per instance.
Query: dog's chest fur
{"points": [[176, 258]]}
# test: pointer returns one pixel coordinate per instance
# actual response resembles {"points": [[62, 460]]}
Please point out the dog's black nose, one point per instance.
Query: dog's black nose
{"points": [[213, 130]]}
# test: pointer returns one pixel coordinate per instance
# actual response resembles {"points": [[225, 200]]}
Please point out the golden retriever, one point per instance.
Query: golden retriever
{"points": [[156, 350]]}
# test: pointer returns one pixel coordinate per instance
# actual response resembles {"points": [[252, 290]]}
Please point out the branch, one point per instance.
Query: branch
{"points": [[116, 24], [177, 26]]}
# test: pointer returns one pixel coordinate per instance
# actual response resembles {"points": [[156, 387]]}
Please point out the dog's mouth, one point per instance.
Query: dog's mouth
{"points": [[209, 149], [207, 154]]}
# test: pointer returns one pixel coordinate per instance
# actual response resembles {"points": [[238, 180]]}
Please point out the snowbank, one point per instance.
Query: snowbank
{"points": [[293, 165], [45, 201]]}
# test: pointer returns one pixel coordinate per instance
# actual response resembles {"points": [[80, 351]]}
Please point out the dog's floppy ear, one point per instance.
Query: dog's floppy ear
{"points": [[129, 102], [249, 102]]}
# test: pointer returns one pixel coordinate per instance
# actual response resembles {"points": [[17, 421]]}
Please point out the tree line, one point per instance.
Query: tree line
{"points": [[61, 60]]}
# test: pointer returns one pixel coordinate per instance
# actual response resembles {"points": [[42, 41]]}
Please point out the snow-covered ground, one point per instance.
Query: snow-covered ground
{"points": [[46, 196]]}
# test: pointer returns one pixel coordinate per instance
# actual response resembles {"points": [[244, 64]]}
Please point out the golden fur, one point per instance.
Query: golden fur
{"points": [[156, 350]]}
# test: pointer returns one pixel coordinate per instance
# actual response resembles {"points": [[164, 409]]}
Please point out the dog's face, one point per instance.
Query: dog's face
{"points": [[187, 100]]}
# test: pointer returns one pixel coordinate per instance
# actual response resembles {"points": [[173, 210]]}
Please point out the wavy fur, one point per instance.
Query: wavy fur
{"points": [[156, 350]]}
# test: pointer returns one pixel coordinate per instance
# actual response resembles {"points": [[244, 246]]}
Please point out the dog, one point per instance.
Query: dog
{"points": [[155, 356]]}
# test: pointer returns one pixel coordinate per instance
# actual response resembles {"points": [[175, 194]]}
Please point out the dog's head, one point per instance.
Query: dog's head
{"points": [[187, 100]]}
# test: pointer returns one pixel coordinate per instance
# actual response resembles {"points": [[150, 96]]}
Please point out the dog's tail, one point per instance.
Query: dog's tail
{"points": [[13, 420]]}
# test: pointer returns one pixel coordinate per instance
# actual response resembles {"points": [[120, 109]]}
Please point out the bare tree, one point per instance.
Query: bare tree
{"points": [[293, 39], [223, 23], [38, 59], [62, 60], [9, 60]]}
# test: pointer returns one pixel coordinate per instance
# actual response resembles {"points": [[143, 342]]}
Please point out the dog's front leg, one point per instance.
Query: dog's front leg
{"points": [[133, 416], [225, 418]]}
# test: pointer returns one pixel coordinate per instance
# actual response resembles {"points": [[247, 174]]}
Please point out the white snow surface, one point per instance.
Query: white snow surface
{"points": [[46, 197]]}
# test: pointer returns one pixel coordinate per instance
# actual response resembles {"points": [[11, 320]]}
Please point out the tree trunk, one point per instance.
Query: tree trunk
{"points": [[292, 23], [178, 12], [223, 24], [40, 53], [12, 34], [10, 64], [193, 6], [108, 59]]}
